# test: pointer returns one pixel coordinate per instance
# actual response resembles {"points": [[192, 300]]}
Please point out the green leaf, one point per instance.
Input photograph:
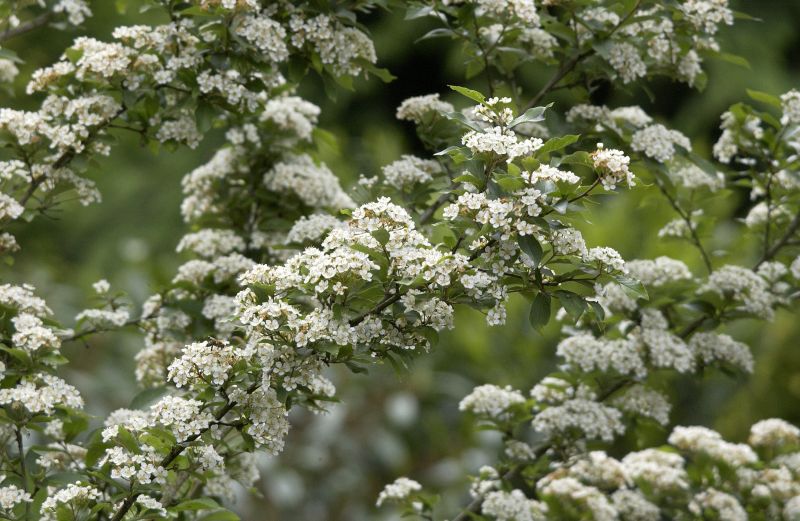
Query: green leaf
{"points": [[735, 59], [599, 312], [764, 97], [531, 247], [530, 116], [146, 397], [540, 311], [418, 12], [95, 450], [510, 183], [632, 287], [557, 143], [474, 95], [573, 303], [381, 235], [326, 138], [581, 157], [461, 118], [204, 503], [439, 32], [382, 73], [469, 178], [431, 335], [222, 515], [127, 440], [205, 114]]}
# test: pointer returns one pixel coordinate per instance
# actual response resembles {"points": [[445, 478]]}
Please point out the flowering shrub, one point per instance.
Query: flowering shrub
{"points": [[290, 273]]}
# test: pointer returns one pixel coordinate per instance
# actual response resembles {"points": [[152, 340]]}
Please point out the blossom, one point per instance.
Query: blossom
{"points": [[399, 490], [75, 495], [713, 347], [625, 59], [416, 108], [703, 440], [658, 142], [202, 363], [409, 170], [11, 496], [613, 166], [512, 506], [773, 433], [492, 401], [591, 419], [790, 104]]}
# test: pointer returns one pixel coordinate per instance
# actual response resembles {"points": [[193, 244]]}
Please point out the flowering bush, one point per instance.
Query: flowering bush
{"points": [[291, 273]]}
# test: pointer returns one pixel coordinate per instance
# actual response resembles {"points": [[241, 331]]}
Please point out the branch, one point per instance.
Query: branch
{"points": [[445, 197], [387, 301], [475, 505], [692, 230], [28, 26], [92, 331], [570, 64], [22, 467], [565, 69], [178, 449], [783, 241]]}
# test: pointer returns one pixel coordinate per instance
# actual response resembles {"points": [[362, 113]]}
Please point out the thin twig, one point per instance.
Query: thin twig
{"points": [[570, 64], [783, 241], [94, 330], [178, 449], [445, 197], [474, 506], [28, 26], [687, 218], [23, 468]]}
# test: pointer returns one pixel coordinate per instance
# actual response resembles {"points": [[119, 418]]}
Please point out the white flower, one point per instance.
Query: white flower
{"points": [[773, 433], [726, 505], [706, 441], [790, 103], [744, 286], [661, 471], [658, 272], [591, 354], [76, 10], [409, 170], [77, 496], [492, 401], [593, 419], [11, 496], [203, 363], [293, 114], [415, 109], [101, 287], [31, 333], [633, 506], [265, 34], [182, 416], [613, 167], [313, 184], [513, 506], [658, 142], [626, 61], [713, 347], [580, 497], [104, 318], [608, 258], [643, 401], [399, 490]]}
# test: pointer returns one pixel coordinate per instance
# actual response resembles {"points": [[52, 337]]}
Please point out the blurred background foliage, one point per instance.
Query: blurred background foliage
{"points": [[390, 424]]}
